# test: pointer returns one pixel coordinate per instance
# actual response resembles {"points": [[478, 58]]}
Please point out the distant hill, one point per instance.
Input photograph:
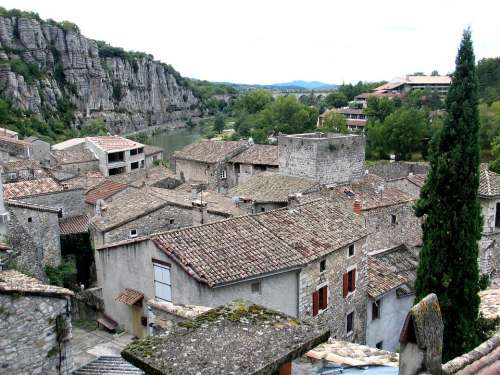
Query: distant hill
{"points": [[307, 85]]}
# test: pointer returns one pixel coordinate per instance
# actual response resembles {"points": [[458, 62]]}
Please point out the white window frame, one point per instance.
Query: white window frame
{"points": [[223, 174], [132, 235], [162, 266]]}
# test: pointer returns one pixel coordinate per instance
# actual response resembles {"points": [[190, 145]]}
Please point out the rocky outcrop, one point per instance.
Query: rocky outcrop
{"points": [[45, 66]]}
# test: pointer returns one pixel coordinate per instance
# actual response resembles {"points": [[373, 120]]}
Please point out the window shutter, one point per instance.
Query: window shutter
{"points": [[345, 285], [354, 279], [315, 303], [325, 297]]}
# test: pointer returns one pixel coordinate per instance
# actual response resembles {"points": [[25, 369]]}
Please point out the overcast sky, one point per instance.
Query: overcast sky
{"points": [[273, 41]]}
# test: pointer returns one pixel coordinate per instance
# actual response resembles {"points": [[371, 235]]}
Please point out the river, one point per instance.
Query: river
{"points": [[172, 140]]}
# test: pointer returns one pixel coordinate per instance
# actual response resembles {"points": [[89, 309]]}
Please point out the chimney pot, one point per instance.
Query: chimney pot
{"points": [[356, 207]]}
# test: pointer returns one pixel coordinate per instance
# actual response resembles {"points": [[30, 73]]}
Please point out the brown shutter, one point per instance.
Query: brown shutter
{"points": [[353, 280], [345, 287], [315, 303]]}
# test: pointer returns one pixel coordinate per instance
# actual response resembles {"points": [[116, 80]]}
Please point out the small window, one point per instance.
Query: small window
{"points": [[322, 265], [351, 250], [133, 152], [171, 221], [379, 345], [497, 216], [376, 310], [142, 163], [256, 287], [133, 233], [350, 323], [323, 298], [223, 174], [393, 220], [134, 165], [237, 168], [30, 220], [140, 150], [262, 209]]}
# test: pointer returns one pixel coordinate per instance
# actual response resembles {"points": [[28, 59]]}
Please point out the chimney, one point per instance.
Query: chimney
{"points": [[294, 200], [199, 212], [356, 207], [421, 339], [195, 189], [245, 205]]}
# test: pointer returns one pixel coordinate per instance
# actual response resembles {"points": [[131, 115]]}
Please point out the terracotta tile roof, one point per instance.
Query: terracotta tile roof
{"points": [[74, 225], [227, 250], [314, 229], [113, 143], [239, 338], [150, 176], [104, 190], [426, 80], [351, 354], [82, 155], [108, 365], [210, 151], [484, 359], [151, 150], [380, 278], [489, 182], [371, 191], [129, 296], [19, 165], [86, 181], [400, 260], [272, 187], [417, 179], [15, 282], [28, 188], [247, 246], [258, 154]]}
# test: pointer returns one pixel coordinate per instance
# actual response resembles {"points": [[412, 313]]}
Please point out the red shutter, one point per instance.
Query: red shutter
{"points": [[315, 303], [353, 280], [345, 287]]}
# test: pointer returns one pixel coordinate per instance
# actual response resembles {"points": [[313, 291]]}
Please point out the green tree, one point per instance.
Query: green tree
{"points": [[334, 123], [452, 226], [489, 123], [378, 108], [219, 123], [253, 101], [495, 153], [93, 127], [336, 99], [488, 75]]}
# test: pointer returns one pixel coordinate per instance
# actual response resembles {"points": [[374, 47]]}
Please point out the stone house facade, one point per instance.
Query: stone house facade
{"points": [[35, 326], [206, 162], [253, 257], [78, 160], [34, 235], [69, 201], [40, 149], [324, 157]]}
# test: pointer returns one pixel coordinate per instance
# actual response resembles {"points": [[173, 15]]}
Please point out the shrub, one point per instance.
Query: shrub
{"points": [[60, 275]]}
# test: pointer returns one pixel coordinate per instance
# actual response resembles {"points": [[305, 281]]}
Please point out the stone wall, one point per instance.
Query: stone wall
{"points": [[398, 169], [71, 201], [41, 150], [80, 167], [327, 158], [405, 185], [338, 263], [193, 171], [29, 342]]}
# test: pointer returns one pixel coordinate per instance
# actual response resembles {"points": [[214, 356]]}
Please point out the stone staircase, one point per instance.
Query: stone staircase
{"points": [[108, 365]]}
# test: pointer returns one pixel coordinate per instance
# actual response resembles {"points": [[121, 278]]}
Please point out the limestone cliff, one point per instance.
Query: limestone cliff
{"points": [[45, 66]]}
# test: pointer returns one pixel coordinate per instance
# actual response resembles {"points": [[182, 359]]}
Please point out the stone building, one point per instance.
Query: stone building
{"points": [[268, 191], [206, 162], [324, 157], [35, 326], [139, 212], [157, 176], [47, 192], [391, 279], [40, 150], [34, 235], [254, 160], [77, 160], [104, 191], [308, 261], [14, 149], [22, 170], [410, 184], [152, 154]]}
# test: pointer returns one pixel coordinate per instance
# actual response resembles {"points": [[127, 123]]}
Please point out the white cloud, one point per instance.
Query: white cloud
{"points": [[276, 40]]}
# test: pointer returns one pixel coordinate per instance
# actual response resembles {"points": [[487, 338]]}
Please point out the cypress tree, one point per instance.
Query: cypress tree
{"points": [[453, 222]]}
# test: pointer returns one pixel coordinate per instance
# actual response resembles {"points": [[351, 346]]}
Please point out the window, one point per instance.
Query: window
{"points": [[116, 156], [133, 152], [351, 250], [134, 165], [320, 300], [376, 309], [171, 221], [163, 288], [393, 220], [256, 287], [140, 150], [237, 168], [322, 265], [262, 209], [379, 345], [349, 323], [223, 174], [114, 171], [30, 220], [133, 233], [349, 282], [497, 216], [142, 163]]}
